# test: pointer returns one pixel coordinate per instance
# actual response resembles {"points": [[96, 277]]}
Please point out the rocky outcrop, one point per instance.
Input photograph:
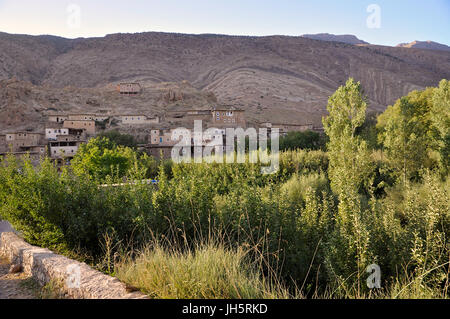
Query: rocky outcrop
{"points": [[430, 45], [78, 280]]}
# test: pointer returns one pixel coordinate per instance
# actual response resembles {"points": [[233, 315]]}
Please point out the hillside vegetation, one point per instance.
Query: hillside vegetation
{"points": [[377, 195]]}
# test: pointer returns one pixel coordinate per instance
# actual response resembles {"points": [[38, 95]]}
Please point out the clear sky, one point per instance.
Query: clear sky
{"points": [[391, 22]]}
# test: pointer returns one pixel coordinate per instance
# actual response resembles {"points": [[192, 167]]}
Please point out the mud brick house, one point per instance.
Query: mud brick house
{"points": [[129, 88], [191, 115], [64, 147], [162, 137], [23, 141], [138, 119], [86, 117], [57, 118], [51, 133], [285, 128], [228, 116], [88, 126]]}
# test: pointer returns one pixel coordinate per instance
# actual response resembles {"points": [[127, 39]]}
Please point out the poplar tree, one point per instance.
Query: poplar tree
{"points": [[349, 170], [349, 167]]}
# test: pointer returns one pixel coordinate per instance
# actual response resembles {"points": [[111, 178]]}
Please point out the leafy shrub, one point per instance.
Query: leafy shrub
{"points": [[307, 140]]}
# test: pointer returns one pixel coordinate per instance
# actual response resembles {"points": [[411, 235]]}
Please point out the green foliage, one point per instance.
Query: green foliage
{"points": [[408, 136], [440, 117], [349, 166], [101, 157], [308, 140], [319, 221], [120, 139], [63, 211]]}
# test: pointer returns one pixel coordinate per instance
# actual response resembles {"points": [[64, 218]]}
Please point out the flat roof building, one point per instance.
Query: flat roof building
{"points": [[228, 116], [88, 126], [129, 88]]}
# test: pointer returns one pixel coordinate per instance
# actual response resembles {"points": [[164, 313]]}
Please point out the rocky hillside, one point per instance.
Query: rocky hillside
{"points": [[275, 78], [25, 106], [430, 45]]}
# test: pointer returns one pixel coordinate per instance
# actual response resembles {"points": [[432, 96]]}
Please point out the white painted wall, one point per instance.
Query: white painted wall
{"points": [[52, 133], [63, 151]]}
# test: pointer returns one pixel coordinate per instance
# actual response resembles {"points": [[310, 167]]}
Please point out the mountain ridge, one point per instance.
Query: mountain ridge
{"points": [[344, 38], [276, 78]]}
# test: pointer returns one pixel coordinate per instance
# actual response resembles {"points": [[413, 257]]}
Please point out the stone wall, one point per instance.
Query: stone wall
{"points": [[77, 279]]}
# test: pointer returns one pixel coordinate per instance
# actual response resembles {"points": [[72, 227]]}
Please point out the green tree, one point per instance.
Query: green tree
{"points": [[407, 134], [101, 157], [120, 139], [349, 170], [349, 160], [440, 117]]}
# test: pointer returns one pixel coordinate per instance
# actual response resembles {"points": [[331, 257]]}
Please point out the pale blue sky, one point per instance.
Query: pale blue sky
{"points": [[401, 20]]}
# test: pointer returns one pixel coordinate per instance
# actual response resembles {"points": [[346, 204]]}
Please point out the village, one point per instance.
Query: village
{"points": [[64, 133]]}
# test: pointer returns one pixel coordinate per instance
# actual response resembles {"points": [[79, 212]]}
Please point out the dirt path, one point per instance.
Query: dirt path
{"points": [[15, 286]]}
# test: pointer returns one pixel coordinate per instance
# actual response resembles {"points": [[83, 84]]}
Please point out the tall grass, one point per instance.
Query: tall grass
{"points": [[208, 271]]}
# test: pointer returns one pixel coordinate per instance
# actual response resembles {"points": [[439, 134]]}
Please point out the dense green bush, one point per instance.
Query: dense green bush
{"points": [[308, 140], [319, 221], [120, 139], [102, 157], [61, 210]]}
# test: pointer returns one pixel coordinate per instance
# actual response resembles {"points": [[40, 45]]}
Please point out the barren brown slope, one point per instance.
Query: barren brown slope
{"points": [[25, 106], [274, 78]]}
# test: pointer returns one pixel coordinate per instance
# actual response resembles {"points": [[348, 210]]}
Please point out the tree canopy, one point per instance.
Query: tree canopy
{"points": [[101, 157]]}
